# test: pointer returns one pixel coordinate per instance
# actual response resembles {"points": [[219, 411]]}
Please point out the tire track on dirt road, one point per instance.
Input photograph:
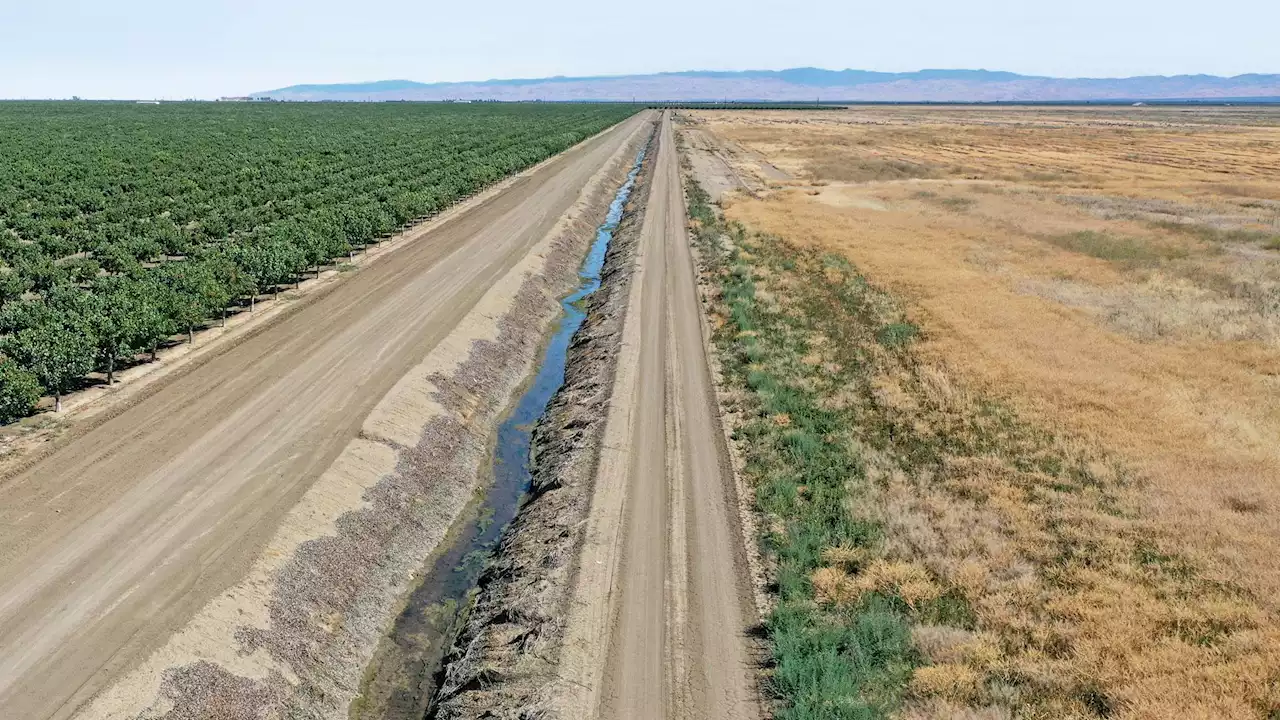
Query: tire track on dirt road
{"points": [[114, 540], [661, 612]]}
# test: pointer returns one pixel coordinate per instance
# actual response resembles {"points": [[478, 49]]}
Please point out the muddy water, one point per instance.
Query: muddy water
{"points": [[400, 684]]}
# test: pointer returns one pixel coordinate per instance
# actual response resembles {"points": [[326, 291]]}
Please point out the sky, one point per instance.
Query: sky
{"points": [[171, 49]]}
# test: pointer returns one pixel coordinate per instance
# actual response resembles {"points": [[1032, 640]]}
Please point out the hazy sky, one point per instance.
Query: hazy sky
{"points": [[207, 48]]}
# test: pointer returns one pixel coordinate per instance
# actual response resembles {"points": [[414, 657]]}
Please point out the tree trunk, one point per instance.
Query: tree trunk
{"points": [[191, 335], [153, 352], [277, 293], [224, 317], [252, 300], [57, 403], [111, 369]]}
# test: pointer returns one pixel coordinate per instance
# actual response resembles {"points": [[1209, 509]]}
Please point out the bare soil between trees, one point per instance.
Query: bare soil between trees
{"points": [[233, 542]]}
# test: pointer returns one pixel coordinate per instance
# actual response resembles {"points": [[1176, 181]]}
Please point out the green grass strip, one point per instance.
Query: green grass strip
{"points": [[829, 662]]}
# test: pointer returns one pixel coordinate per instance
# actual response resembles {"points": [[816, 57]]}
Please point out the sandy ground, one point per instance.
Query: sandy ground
{"points": [[118, 537], [722, 165], [661, 612]]}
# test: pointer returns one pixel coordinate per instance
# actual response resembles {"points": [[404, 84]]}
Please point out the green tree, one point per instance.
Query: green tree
{"points": [[356, 225], [12, 284], [172, 239], [283, 262], [43, 273], [234, 282], [113, 316], [331, 242], [251, 261], [116, 259], [81, 270], [152, 323], [213, 285], [195, 293], [55, 352], [185, 303], [18, 316], [19, 391]]}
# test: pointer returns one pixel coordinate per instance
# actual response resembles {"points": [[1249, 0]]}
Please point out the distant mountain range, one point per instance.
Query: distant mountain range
{"points": [[805, 84]]}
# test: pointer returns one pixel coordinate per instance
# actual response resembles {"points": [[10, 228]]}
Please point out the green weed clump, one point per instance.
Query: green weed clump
{"points": [[1210, 234], [959, 204], [1115, 248]]}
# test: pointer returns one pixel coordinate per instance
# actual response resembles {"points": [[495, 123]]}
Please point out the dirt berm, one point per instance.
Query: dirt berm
{"points": [[505, 659]]}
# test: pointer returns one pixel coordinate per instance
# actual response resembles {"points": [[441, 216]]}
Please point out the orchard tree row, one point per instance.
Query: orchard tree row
{"points": [[124, 226]]}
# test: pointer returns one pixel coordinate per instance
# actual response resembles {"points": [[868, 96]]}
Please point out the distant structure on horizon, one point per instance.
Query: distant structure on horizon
{"points": [[803, 85]]}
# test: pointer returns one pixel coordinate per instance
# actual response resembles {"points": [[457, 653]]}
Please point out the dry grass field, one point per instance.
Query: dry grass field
{"points": [[1112, 276]]}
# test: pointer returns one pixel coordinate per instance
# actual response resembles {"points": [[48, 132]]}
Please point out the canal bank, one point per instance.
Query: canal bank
{"points": [[506, 656], [403, 678]]}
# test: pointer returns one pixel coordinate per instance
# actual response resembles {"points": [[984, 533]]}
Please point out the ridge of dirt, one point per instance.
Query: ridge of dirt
{"points": [[504, 662], [663, 621]]}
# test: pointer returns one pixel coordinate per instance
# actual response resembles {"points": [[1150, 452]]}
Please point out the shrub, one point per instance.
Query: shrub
{"points": [[19, 391]]}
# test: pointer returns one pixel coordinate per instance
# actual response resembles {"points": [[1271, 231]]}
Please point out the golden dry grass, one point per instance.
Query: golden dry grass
{"points": [[1113, 275]]}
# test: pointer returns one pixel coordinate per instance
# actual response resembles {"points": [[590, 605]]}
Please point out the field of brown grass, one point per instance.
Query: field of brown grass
{"points": [[1113, 275]]}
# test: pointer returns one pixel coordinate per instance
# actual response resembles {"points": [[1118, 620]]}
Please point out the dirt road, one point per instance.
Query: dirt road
{"points": [[116, 538], [659, 623]]}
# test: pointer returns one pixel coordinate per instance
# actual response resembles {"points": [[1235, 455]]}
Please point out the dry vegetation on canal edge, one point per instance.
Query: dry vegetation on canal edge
{"points": [[1082, 443]]}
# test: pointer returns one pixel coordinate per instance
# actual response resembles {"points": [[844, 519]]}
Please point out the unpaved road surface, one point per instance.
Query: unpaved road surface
{"points": [[661, 613], [117, 537]]}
